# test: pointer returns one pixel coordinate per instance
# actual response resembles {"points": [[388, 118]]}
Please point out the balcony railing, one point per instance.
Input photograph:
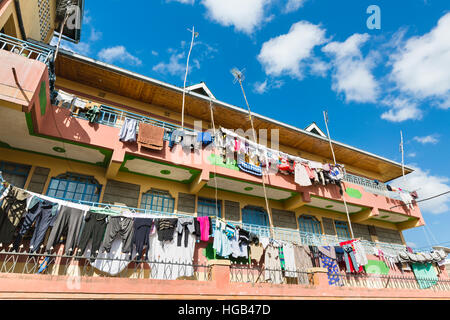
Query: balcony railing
{"points": [[255, 274], [25, 48], [391, 282], [115, 117], [25, 262], [365, 182]]}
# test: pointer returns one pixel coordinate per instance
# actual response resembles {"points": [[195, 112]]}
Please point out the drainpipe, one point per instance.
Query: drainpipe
{"points": [[19, 19]]}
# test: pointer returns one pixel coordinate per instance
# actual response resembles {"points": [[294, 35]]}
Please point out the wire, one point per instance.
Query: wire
{"points": [[422, 199]]}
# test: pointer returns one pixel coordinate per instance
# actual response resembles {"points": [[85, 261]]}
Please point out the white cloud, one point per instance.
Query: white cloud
{"points": [[82, 48], [263, 87], [427, 185], [401, 109], [352, 73], [245, 16], [411, 155], [95, 35], [293, 5], [420, 67], [427, 139], [118, 53], [288, 53]]}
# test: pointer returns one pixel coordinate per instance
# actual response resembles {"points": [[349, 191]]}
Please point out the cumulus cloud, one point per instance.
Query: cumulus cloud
{"points": [[400, 109], [420, 67], [245, 16], [288, 53], [293, 5], [118, 53], [427, 185], [175, 67], [427, 139], [352, 72]]}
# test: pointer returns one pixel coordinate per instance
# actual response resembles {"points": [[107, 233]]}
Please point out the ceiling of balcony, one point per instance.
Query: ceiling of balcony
{"points": [[122, 82], [18, 137]]}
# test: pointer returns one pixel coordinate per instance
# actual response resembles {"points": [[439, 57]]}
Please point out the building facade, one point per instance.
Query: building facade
{"points": [[50, 144]]}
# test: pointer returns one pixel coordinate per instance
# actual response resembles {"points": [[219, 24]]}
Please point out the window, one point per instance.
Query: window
{"points": [[157, 200], [73, 186], [342, 229], [309, 224], [207, 207], [256, 216], [15, 173]]}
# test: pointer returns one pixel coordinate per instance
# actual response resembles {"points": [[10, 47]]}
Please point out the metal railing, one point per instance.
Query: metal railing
{"points": [[40, 262], [114, 117], [25, 48], [391, 282], [365, 182], [256, 274]]}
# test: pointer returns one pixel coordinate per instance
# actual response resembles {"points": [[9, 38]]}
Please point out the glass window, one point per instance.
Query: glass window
{"points": [[15, 173], [258, 219], [342, 229], [309, 224], [207, 207], [158, 200], [73, 186]]}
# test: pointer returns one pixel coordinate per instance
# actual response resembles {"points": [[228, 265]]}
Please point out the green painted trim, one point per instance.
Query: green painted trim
{"points": [[246, 194], [354, 193], [43, 97], [107, 153], [221, 163], [211, 175], [165, 172], [59, 149], [127, 157], [329, 210], [386, 221]]}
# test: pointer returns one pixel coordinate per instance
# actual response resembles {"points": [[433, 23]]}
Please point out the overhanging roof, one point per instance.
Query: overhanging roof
{"points": [[109, 78]]}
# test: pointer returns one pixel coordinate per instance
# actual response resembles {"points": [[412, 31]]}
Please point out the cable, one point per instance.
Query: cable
{"points": [[422, 199]]}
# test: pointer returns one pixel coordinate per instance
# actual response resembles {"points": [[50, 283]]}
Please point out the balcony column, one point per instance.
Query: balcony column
{"points": [[318, 277], [220, 272]]}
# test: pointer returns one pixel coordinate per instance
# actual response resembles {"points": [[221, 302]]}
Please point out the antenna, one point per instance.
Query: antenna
{"points": [[63, 8], [194, 35]]}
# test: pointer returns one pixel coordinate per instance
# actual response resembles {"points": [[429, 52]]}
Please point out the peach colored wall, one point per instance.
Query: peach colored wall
{"points": [[58, 122]]}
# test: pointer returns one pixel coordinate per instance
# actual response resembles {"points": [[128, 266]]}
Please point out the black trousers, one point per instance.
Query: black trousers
{"points": [[41, 213], [94, 228], [141, 236]]}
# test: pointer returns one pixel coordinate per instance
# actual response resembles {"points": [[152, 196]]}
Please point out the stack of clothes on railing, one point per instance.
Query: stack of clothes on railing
{"points": [[91, 110], [425, 265]]}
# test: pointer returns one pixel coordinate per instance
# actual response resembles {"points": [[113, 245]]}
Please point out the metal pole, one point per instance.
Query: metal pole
{"points": [[185, 77], [402, 151], [60, 34], [325, 116]]}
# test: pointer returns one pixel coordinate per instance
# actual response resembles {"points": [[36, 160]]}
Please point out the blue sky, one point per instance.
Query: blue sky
{"points": [[302, 57]]}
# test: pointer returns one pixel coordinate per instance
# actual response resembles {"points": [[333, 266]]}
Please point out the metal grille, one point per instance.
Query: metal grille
{"points": [[44, 18], [255, 274], [392, 282], [24, 262]]}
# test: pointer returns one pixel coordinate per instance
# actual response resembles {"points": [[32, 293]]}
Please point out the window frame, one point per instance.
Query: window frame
{"points": [[157, 194], [74, 179], [210, 204]]}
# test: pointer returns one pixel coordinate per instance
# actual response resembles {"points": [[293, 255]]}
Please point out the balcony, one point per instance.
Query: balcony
{"points": [[25, 49]]}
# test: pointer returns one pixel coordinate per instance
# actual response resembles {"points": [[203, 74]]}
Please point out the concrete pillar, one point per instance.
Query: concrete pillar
{"points": [[319, 277], [220, 272]]}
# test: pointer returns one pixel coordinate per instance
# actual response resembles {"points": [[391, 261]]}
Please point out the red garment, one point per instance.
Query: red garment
{"points": [[309, 171]]}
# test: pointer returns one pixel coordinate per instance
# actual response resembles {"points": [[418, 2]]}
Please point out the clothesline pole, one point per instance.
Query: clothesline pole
{"points": [[325, 116], [403, 154], [194, 34], [239, 77], [214, 152]]}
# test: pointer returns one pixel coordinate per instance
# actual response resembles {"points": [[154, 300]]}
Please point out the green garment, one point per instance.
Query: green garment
{"points": [[425, 273], [92, 114], [105, 211], [376, 267], [281, 255]]}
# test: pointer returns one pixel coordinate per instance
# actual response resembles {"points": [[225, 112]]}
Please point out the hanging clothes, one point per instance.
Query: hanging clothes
{"points": [[40, 214], [176, 137], [222, 243], [302, 256], [301, 175], [128, 131], [256, 252], [289, 258], [190, 141], [204, 138], [93, 113], [330, 264], [185, 226], [272, 265], [168, 261], [150, 136], [350, 257], [141, 236], [112, 262], [166, 228], [71, 219], [204, 228], [119, 226], [360, 253], [425, 274], [94, 229]]}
